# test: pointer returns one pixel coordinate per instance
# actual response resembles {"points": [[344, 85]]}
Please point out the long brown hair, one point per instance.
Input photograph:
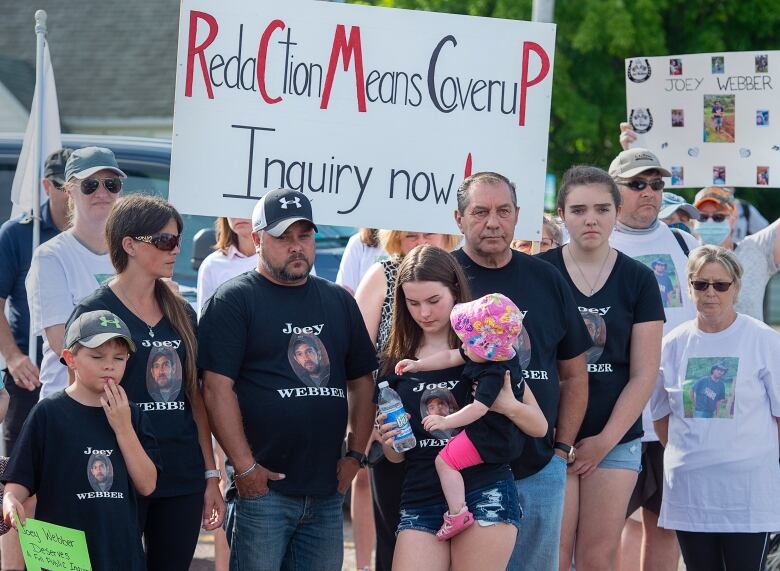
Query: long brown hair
{"points": [[226, 237], [423, 264], [140, 215]]}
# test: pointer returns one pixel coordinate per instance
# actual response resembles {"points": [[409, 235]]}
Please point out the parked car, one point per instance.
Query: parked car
{"points": [[147, 164]]}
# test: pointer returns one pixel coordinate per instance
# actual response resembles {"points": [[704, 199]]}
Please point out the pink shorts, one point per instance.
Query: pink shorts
{"points": [[460, 453]]}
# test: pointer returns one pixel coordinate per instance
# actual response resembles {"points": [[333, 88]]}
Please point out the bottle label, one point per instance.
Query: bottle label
{"points": [[398, 416]]}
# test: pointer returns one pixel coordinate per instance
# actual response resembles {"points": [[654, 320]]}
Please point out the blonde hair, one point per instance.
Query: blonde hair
{"points": [[709, 254], [391, 241]]}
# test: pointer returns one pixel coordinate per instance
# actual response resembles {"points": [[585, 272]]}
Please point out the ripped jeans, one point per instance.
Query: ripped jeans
{"points": [[492, 504]]}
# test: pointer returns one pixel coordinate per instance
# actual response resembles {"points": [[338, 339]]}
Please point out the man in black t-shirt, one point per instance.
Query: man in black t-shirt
{"points": [[282, 352], [487, 215]]}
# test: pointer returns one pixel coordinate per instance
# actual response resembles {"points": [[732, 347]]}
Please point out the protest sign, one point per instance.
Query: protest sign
{"points": [[708, 116], [49, 546], [375, 113]]}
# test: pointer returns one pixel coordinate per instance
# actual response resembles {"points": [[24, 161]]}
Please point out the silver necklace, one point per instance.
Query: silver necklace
{"points": [[598, 278], [137, 313]]}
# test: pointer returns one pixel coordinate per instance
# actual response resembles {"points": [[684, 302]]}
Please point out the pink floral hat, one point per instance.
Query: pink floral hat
{"points": [[489, 326]]}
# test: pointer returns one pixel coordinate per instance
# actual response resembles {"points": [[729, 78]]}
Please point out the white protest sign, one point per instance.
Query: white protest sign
{"points": [[376, 114], [708, 116]]}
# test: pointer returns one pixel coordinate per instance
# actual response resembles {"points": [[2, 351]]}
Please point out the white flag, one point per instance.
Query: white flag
{"points": [[24, 178]]}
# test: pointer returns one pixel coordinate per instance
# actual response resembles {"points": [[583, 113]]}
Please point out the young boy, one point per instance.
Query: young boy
{"points": [[85, 451]]}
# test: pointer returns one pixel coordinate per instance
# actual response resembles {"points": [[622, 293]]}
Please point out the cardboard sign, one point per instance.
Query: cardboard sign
{"points": [[375, 113], [709, 117], [49, 546]]}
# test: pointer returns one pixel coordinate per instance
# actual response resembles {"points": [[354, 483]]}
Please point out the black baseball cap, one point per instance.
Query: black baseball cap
{"points": [[279, 209], [54, 167], [93, 328]]}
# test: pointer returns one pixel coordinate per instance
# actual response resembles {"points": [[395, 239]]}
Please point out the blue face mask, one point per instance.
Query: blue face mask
{"points": [[680, 226], [713, 233]]}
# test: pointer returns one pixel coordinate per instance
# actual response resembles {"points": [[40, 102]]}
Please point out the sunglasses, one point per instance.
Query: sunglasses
{"points": [[163, 241], [112, 185], [701, 285], [639, 185], [715, 217]]}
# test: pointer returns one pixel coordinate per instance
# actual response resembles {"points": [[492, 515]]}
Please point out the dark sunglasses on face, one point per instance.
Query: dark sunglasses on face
{"points": [[701, 285], [639, 185], [163, 241], [715, 217], [112, 185]]}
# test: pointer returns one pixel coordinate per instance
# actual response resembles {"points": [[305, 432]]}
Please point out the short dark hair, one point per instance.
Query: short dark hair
{"points": [[579, 175], [305, 341], [464, 190]]}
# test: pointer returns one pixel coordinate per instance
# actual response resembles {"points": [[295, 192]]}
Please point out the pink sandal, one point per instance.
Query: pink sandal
{"points": [[454, 524]]}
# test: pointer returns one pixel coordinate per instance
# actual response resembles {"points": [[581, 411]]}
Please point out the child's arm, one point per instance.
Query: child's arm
{"points": [[13, 498], [435, 362], [527, 416], [463, 417], [142, 470], [5, 398]]}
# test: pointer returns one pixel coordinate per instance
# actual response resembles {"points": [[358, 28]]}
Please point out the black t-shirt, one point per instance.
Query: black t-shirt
{"points": [[154, 380], [290, 352], [67, 455], [552, 330], [494, 436], [435, 392], [629, 295]]}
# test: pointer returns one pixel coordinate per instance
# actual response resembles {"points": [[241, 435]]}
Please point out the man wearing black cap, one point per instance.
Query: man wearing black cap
{"points": [[282, 434], [21, 374]]}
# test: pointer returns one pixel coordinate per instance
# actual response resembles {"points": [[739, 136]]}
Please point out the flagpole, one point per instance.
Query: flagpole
{"points": [[40, 35]]}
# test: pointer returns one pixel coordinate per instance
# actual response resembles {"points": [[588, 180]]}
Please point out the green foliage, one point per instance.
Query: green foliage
{"points": [[593, 39]]}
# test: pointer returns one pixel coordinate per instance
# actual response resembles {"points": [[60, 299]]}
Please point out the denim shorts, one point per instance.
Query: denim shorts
{"points": [[627, 456], [496, 503]]}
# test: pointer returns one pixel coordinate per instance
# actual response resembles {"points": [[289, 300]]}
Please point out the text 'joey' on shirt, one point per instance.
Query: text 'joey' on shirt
{"points": [[629, 295], [67, 454], [290, 352], [154, 379], [435, 392], [552, 330]]}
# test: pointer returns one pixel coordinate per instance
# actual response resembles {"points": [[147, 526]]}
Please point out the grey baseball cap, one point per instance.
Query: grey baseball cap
{"points": [[86, 161], [279, 209], [635, 161], [672, 202], [54, 167], [93, 328]]}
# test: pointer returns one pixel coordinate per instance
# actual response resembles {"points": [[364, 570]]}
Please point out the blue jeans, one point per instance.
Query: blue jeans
{"points": [[541, 497], [290, 533]]}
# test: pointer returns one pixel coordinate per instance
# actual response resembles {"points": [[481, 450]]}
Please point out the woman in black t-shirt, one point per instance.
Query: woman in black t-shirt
{"points": [[429, 283], [620, 303], [161, 377]]}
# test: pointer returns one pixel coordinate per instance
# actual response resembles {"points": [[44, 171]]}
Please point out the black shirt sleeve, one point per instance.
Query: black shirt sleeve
{"points": [[24, 466], [491, 379], [361, 355], [222, 335]]}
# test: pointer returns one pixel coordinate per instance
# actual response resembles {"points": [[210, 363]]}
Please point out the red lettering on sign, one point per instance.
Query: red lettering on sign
{"points": [[525, 83], [262, 55], [193, 50], [467, 170], [347, 48]]}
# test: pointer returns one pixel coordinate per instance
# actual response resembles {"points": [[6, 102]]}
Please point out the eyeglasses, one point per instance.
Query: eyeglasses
{"points": [[112, 185], [639, 185], [163, 241], [715, 217], [701, 285]]}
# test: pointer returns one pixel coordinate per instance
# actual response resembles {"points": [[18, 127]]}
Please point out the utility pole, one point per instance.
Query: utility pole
{"points": [[543, 11]]}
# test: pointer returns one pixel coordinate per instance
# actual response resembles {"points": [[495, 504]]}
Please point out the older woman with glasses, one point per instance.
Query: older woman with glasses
{"points": [[74, 263], [552, 237], [717, 411]]}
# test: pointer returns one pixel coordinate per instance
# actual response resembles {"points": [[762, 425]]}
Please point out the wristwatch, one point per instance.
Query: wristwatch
{"points": [[571, 452], [213, 474], [361, 458]]}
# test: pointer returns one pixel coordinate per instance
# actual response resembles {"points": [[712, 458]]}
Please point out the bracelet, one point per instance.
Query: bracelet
{"points": [[246, 472]]}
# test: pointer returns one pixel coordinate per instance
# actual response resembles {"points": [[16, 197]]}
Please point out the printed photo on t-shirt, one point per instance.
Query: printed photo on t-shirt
{"points": [[309, 359], [438, 401], [597, 328], [666, 276], [708, 389], [523, 348], [100, 472], [163, 374]]}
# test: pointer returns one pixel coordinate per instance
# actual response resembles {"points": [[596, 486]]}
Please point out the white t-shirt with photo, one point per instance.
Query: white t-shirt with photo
{"points": [[63, 272], [356, 260], [756, 253], [661, 245], [721, 471]]}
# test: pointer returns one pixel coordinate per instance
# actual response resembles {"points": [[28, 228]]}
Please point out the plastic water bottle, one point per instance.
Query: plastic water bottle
{"points": [[390, 404]]}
